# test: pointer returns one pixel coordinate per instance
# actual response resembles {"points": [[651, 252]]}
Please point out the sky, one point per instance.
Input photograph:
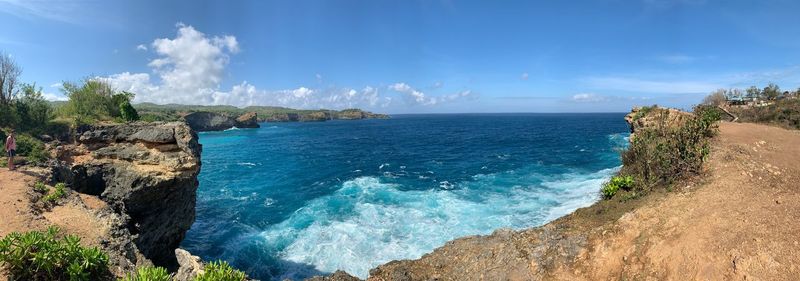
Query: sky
{"points": [[422, 56]]}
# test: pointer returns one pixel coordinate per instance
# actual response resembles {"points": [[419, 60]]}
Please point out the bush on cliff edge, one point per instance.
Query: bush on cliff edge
{"points": [[661, 155], [38, 255]]}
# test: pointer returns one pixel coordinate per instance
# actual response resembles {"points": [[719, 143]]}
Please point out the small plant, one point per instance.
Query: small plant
{"points": [[220, 271], [40, 187], [58, 193], [643, 111], [616, 183], [38, 255], [148, 273]]}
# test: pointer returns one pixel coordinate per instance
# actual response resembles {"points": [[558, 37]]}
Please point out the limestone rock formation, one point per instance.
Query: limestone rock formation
{"points": [[210, 121], [145, 171], [190, 266], [654, 116], [247, 120]]}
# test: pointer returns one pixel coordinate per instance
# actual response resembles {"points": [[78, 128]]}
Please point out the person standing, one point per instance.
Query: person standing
{"points": [[11, 149]]}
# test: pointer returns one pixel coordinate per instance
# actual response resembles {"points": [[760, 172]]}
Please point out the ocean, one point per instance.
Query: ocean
{"points": [[293, 200]]}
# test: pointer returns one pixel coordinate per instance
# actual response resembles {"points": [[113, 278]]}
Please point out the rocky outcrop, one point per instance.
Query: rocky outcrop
{"points": [[147, 172], [189, 266], [654, 116], [282, 117], [210, 121], [355, 114], [247, 120]]}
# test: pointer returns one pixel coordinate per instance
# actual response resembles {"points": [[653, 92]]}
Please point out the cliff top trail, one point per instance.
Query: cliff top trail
{"points": [[741, 222], [78, 216]]}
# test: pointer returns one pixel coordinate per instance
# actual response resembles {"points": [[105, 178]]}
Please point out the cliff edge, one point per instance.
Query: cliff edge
{"points": [[737, 222], [146, 172]]}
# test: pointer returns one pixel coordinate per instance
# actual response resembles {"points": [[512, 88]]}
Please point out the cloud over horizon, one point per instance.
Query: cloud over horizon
{"points": [[191, 67]]}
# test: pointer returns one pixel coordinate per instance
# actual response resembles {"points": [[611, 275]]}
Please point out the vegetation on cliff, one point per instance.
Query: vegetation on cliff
{"points": [[37, 255], [768, 105], [666, 146]]}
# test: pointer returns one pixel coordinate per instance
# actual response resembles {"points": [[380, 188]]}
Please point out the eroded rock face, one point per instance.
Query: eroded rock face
{"points": [[651, 117], [145, 171], [247, 120], [209, 121]]}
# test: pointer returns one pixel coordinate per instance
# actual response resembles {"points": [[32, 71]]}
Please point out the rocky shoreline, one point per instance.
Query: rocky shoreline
{"points": [[139, 181]]}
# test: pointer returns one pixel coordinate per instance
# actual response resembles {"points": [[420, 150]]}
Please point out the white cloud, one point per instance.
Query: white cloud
{"points": [[141, 47], [437, 84], [415, 97], [56, 85], [190, 68], [524, 76], [53, 97], [588, 97]]}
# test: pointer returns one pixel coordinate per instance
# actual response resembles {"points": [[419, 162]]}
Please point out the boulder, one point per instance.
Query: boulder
{"points": [[189, 266]]}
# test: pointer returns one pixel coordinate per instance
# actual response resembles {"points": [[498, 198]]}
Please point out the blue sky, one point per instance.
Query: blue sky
{"points": [[409, 56]]}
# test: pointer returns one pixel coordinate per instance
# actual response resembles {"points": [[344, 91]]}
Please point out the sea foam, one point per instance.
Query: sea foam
{"points": [[368, 222]]}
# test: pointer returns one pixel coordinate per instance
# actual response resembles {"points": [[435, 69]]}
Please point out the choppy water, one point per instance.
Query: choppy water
{"points": [[291, 200]]}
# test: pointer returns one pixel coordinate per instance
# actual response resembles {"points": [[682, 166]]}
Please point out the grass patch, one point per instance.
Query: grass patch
{"points": [[220, 271], [40, 187], [60, 191], [616, 183], [148, 273], [38, 255]]}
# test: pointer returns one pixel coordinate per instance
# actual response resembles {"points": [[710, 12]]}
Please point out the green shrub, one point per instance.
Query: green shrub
{"points": [[32, 148], [220, 271], [148, 273], [37, 255], [59, 192], [94, 101], [663, 154], [616, 183], [643, 111], [40, 187], [127, 112]]}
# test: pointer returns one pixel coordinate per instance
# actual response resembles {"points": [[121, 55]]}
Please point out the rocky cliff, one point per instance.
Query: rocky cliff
{"points": [[211, 121], [654, 116], [146, 172], [696, 231]]}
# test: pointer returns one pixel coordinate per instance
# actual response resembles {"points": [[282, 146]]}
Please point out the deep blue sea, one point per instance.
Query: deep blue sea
{"points": [[291, 200]]}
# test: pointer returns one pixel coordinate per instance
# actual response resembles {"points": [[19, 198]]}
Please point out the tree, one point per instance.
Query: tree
{"points": [[33, 110], [716, 98], [9, 75], [771, 91], [127, 112], [753, 92], [95, 100]]}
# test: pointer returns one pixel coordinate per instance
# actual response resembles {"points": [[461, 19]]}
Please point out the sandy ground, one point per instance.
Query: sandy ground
{"points": [[77, 215], [741, 223]]}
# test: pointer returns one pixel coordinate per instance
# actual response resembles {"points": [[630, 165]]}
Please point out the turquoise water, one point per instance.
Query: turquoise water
{"points": [[291, 200]]}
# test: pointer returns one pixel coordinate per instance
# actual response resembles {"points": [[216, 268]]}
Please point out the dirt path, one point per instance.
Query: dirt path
{"points": [[77, 215], [742, 222]]}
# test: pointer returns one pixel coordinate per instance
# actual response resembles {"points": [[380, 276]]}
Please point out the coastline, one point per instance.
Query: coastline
{"points": [[609, 238]]}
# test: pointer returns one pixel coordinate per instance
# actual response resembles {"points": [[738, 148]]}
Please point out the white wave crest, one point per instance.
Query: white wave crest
{"points": [[367, 222]]}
